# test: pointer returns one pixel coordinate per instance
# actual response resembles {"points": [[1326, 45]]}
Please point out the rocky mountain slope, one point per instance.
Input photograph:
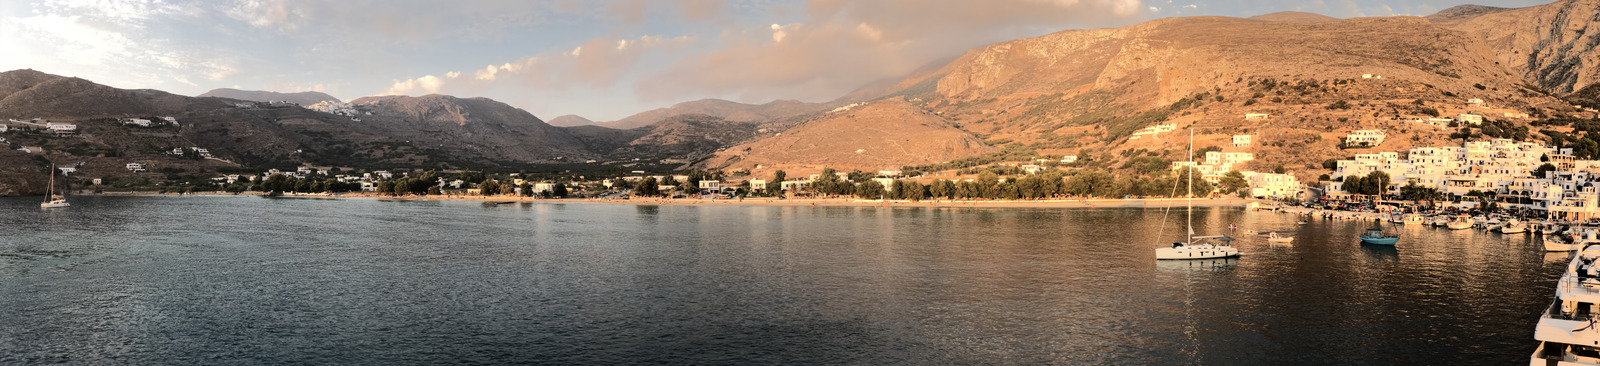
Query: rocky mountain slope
{"points": [[1087, 91], [306, 98], [730, 111], [1550, 46], [570, 120], [884, 134]]}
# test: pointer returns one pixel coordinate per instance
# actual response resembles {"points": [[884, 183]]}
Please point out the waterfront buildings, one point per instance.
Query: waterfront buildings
{"points": [[1502, 170]]}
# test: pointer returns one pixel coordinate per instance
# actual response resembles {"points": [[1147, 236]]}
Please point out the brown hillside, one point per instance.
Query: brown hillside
{"points": [[306, 98], [885, 134], [731, 111], [1294, 17]]}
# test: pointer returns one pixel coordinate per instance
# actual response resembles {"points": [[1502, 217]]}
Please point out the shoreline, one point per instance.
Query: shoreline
{"points": [[761, 201]]}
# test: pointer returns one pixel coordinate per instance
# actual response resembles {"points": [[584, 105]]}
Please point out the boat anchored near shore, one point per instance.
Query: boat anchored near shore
{"points": [[1208, 247]]}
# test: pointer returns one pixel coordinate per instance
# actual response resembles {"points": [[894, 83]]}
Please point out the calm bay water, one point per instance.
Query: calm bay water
{"points": [[164, 280]]}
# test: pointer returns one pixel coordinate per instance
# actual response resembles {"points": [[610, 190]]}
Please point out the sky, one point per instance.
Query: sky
{"points": [[600, 59]]}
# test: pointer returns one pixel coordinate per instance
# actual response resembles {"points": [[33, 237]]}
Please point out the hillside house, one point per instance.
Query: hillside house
{"points": [[889, 173], [135, 167], [61, 128], [1069, 159], [1365, 138], [551, 187], [1030, 168], [173, 121], [1469, 118], [1441, 123], [1475, 102], [1241, 140], [1507, 115], [758, 185], [1256, 116], [137, 122], [67, 171], [1371, 76]]}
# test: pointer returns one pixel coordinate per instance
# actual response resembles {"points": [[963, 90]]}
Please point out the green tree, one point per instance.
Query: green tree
{"points": [[941, 188], [526, 188], [560, 190], [277, 183], [1232, 182], [647, 187], [1543, 170], [870, 190], [489, 188]]}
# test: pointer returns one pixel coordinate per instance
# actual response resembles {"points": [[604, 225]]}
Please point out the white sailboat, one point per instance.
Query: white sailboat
{"points": [[51, 199], [1208, 247]]}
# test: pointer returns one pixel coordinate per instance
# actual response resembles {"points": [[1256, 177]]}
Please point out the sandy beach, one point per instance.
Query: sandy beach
{"points": [[768, 201]]}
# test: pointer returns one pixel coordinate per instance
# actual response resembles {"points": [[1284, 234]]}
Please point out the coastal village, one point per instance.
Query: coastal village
{"points": [[1530, 177]]}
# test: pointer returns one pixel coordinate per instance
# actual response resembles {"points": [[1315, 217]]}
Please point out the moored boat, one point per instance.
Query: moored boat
{"points": [[1376, 236]]}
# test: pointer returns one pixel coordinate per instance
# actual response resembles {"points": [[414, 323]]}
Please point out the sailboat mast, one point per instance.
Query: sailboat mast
{"points": [[1190, 170], [50, 191]]}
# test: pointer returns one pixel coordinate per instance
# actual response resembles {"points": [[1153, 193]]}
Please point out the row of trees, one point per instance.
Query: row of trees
{"points": [[1054, 184]]}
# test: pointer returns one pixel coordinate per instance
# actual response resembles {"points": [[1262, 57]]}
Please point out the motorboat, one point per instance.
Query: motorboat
{"points": [[1377, 236], [1567, 331], [1459, 223], [1493, 224], [1412, 219], [1561, 243], [1514, 226], [1441, 221], [1280, 238]]}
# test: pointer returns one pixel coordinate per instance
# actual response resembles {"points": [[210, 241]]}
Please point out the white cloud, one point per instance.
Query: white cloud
{"points": [[599, 63]]}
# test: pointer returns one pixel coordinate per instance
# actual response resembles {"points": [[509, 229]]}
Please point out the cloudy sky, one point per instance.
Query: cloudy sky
{"points": [[600, 59]]}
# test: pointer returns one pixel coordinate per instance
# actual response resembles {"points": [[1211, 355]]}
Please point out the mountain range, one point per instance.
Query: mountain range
{"points": [[306, 98], [1074, 92]]}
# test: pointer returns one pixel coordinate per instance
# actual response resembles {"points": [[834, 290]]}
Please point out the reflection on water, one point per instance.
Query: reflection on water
{"points": [[165, 280]]}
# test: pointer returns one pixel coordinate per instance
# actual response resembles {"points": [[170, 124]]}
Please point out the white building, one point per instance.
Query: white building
{"points": [[138, 122], [889, 173], [1364, 138], [61, 127], [1270, 185], [1030, 168], [1160, 128], [1256, 116], [1241, 140], [1069, 159], [135, 167], [1469, 118], [710, 186]]}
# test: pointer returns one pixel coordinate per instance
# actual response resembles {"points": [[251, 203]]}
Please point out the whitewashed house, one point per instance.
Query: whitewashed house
{"points": [[138, 122], [1365, 138], [61, 128], [1069, 159], [710, 186], [1469, 118], [1241, 140], [1256, 116], [135, 167]]}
